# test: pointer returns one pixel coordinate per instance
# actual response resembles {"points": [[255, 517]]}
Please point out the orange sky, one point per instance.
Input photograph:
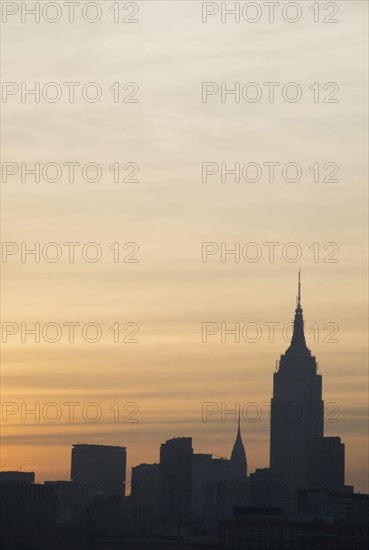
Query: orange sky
{"points": [[169, 213]]}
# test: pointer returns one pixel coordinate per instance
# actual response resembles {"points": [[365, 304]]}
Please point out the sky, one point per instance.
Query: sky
{"points": [[148, 270]]}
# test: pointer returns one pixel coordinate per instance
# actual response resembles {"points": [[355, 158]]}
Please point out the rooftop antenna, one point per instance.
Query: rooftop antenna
{"points": [[299, 290]]}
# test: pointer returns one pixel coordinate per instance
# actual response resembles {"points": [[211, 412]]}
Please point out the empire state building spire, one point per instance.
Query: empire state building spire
{"points": [[238, 456], [298, 343], [299, 291], [300, 455]]}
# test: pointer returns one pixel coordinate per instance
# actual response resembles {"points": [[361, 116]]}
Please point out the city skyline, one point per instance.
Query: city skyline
{"points": [[178, 137], [297, 353], [220, 412]]}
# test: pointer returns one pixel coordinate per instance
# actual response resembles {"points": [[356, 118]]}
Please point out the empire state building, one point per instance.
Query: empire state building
{"points": [[300, 455]]}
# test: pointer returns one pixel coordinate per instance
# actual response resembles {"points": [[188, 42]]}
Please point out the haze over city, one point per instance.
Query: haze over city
{"points": [[157, 274]]}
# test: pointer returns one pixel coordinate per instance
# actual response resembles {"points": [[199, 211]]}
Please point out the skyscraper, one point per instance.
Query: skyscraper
{"points": [[144, 485], [175, 478], [298, 451], [100, 466], [238, 456]]}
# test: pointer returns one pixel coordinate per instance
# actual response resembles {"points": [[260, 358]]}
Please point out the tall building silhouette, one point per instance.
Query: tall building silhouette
{"points": [[207, 473], [144, 485], [103, 467], [238, 456], [175, 478], [298, 451]]}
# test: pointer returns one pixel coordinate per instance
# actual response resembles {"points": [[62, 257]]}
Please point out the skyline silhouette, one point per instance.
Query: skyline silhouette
{"points": [[297, 351], [174, 138], [173, 174], [296, 367], [189, 494]]}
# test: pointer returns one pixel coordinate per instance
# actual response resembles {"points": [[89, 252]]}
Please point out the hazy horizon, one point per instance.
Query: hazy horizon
{"points": [[168, 214]]}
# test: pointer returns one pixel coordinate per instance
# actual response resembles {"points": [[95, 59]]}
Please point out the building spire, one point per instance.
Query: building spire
{"points": [[238, 456], [299, 291], [298, 343]]}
